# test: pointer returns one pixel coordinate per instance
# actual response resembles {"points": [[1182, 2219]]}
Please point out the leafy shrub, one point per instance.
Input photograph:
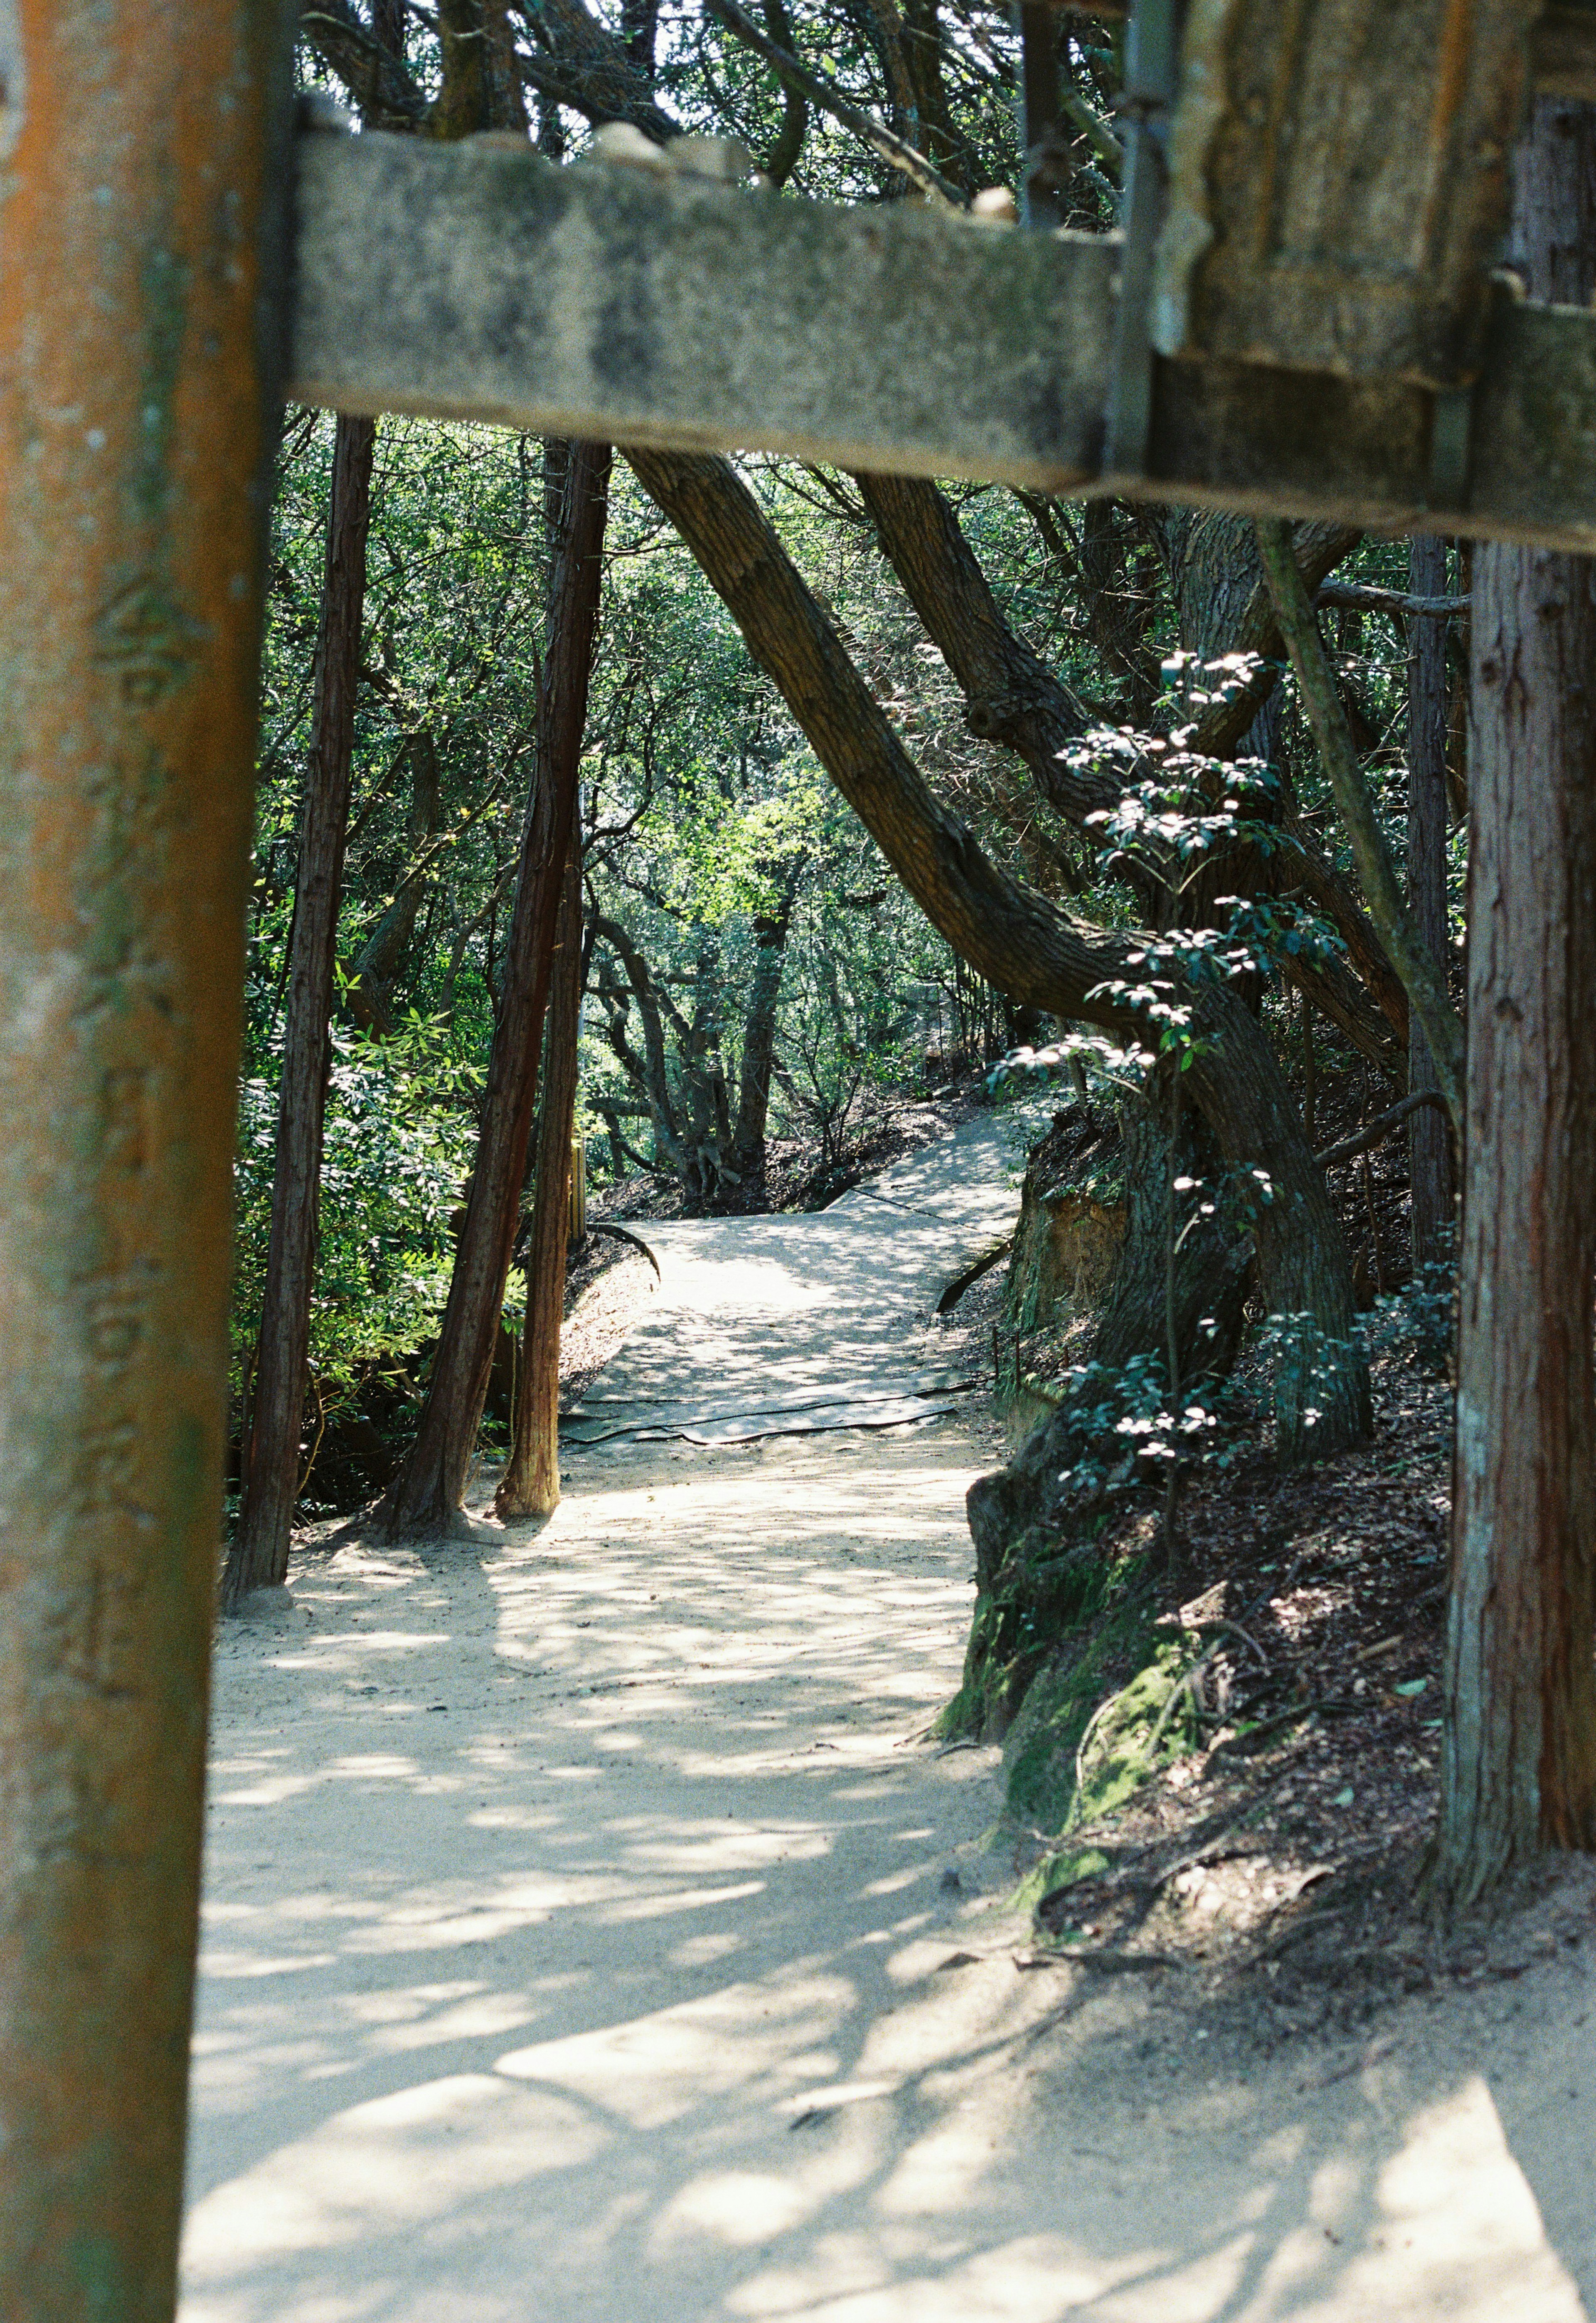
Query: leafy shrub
{"points": [[1419, 1322], [399, 1140]]}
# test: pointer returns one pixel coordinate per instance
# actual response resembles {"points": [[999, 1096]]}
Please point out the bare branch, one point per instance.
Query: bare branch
{"points": [[819, 91], [1354, 596], [1372, 1133]]}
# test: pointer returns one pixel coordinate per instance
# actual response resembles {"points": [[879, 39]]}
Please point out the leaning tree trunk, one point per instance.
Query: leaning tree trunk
{"points": [[1519, 1756], [1033, 950], [258, 1555], [1013, 697], [530, 1486], [1424, 977], [1429, 1148], [426, 1494]]}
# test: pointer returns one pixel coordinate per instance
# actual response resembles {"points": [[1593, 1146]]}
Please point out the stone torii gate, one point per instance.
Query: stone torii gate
{"points": [[1300, 317]]}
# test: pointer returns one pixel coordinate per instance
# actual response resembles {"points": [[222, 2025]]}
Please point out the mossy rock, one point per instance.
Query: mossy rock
{"points": [[1055, 1785], [1043, 1589], [1061, 1869]]}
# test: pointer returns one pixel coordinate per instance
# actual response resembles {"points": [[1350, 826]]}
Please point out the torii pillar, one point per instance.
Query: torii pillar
{"points": [[144, 170]]}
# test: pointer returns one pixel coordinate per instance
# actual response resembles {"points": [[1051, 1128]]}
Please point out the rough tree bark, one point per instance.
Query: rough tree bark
{"points": [[531, 1485], [753, 1094], [1429, 1149], [425, 1495], [142, 221], [1518, 1754], [258, 1555], [1028, 947]]}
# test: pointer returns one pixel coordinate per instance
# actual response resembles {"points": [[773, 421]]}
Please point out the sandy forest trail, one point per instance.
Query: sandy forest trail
{"points": [[590, 1934]]}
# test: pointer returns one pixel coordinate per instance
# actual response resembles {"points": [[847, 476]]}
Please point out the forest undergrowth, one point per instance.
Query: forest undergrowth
{"points": [[799, 1172], [1221, 1755], [1226, 1780]]}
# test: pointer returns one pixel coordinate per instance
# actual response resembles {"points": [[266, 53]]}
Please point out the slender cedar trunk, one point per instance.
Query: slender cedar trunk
{"points": [[426, 1494], [1030, 948], [530, 1486], [258, 1555], [753, 1094], [1428, 1146], [649, 1074], [1519, 1758], [1424, 977]]}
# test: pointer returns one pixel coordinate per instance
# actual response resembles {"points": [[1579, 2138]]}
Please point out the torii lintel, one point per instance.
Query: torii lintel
{"points": [[1300, 317]]}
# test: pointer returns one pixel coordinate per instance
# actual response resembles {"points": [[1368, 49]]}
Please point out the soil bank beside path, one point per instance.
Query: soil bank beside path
{"points": [[590, 1932]]}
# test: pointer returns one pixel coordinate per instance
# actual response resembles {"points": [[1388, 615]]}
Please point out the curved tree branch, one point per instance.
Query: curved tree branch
{"points": [[1425, 977], [373, 75], [1032, 948], [820, 91]]}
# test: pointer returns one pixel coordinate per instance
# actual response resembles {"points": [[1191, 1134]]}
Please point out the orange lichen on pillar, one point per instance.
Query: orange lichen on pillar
{"points": [[142, 172]]}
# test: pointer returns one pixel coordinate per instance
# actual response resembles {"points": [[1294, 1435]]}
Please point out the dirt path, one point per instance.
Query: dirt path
{"points": [[589, 1936]]}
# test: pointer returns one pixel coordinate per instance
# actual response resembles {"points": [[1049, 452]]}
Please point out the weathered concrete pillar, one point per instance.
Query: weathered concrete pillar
{"points": [[142, 177]]}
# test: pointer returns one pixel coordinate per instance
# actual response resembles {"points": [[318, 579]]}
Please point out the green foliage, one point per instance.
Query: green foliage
{"points": [[1419, 1323], [1123, 1433], [398, 1140]]}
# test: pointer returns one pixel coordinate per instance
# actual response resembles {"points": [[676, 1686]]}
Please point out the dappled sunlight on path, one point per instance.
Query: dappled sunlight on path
{"points": [[593, 1933], [769, 1325], [578, 1946]]}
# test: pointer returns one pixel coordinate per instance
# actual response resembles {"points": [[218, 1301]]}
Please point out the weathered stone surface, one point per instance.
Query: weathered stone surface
{"points": [[1339, 182], [473, 281]]}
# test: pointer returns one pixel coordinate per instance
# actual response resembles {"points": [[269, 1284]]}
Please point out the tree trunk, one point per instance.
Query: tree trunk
{"points": [[426, 1496], [753, 1093], [530, 1486], [1212, 1261], [1013, 697], [258, 1555], [143, 222], [1429, 1149], [380, 959], [1146, 1310], [482, 84], [1031, 948], [1423, 977], [1519, 1758], [649, 1074]]}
